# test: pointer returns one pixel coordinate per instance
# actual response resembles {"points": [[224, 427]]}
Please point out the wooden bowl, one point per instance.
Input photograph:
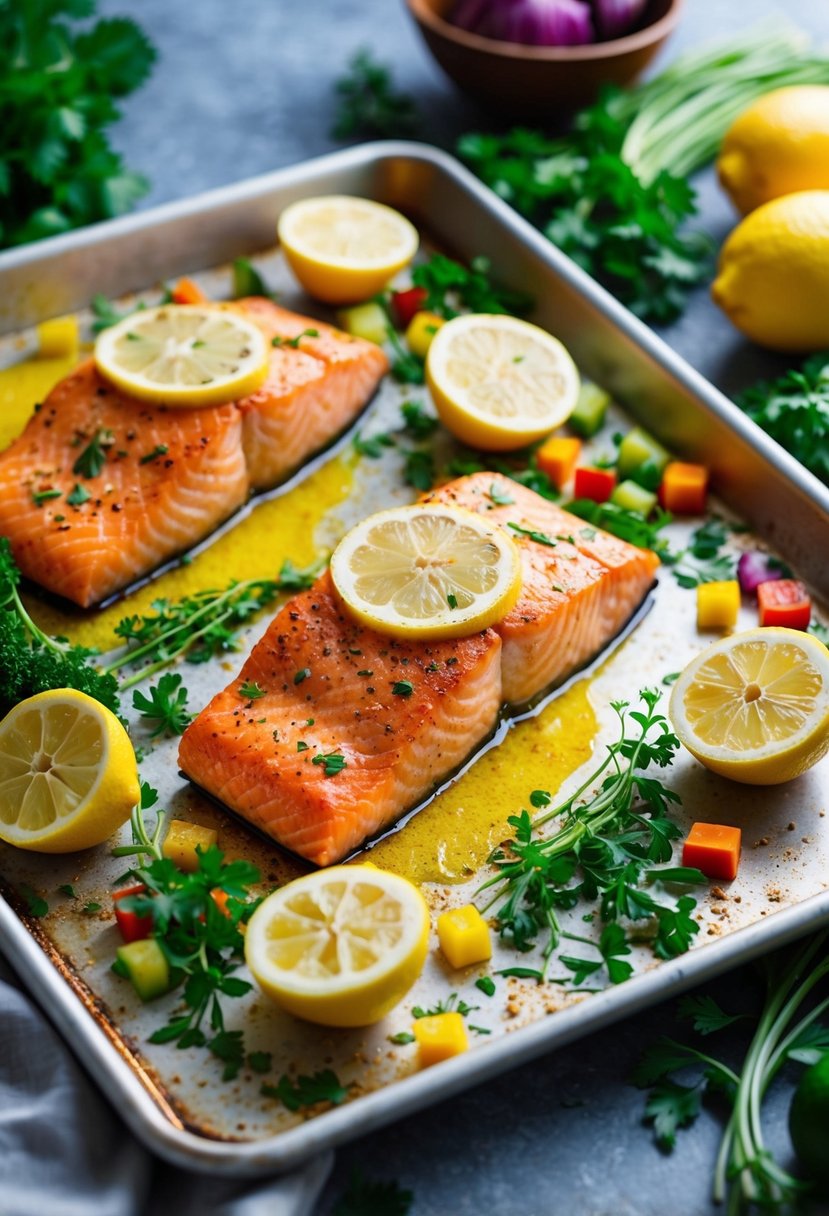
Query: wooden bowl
{"points": [[539, 82]]}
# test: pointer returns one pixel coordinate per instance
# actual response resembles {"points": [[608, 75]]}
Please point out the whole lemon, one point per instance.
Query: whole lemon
{"points": [[773, 273], [779, 145]]}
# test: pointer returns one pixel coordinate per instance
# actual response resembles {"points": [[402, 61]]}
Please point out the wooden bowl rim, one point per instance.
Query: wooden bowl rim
{"points": [[424, 14]]}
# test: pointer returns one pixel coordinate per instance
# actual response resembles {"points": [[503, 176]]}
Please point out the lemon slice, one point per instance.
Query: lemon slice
{"points": [[499, 383], [339, 947], [755, 706], [184, 355], [68, 776], [345, 249], [427, 571]]}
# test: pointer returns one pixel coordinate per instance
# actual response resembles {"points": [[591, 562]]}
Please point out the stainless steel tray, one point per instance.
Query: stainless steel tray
{"points": [[785, 887]]}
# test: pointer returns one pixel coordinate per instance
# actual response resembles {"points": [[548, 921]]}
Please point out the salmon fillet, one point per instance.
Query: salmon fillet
{"points": [[329, 689], [576, 594], [141, 509], [329, 685]]}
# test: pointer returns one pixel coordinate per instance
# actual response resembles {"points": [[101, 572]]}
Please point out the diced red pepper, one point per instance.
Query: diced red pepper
{"points": [[134, 928], [405, 304], [786, 602], [597, 484]]}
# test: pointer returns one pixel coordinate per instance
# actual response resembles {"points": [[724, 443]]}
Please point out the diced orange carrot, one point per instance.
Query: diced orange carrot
{"points": [[713, 848], [188, 292], [558, 457], [220, 899], [684, 488], [786, 602], [597, 484]]}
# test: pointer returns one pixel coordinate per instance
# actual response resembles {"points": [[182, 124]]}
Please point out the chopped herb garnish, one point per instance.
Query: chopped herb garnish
{"points": [[91, 908], [66, 888], [500, 496], [302, 674], [294, 342], [302, 746], [540, 538], [451, 1004], [322, 1086], [260, 1061], [39, 497], [36, 904], [370, 1197], [419, 470], [402, 688], [450, 286], [452, 600], [332, 764], [160, 449], [372, 447], [166, 706], [250, 690], [247, 281], [402, 1038], [365, 672], [417, 421], [486, 985], [93, 458], [78, 496]]}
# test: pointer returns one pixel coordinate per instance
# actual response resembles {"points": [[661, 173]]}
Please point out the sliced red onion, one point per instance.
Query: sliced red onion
{"points": [[529, 22], [757, 567], [617, 17]]}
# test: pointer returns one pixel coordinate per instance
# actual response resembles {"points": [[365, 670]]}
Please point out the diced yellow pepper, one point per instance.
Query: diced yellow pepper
{"points": [[58, 338], [464, 936], [421, 329], [183, 839], [367, 321], [558, 457], [718, 605], [439, 1037]]}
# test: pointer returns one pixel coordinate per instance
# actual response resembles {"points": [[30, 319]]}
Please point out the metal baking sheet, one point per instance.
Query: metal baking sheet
{"points": [[175, 1100]]}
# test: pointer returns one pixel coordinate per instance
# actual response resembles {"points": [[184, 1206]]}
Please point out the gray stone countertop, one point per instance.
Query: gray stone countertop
{"points": [[246, 87]]}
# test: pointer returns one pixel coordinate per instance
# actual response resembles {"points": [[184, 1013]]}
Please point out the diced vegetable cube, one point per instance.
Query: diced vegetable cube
{"points": [[420, 331], [183, 839], [684, 488], [220, 899], [464, 936], [439, 1037], [597, 484], [558, 457], [367, 321], [642, 458], [633, 497], [404, 304], [714, 849], [188, 292], [58, 338], [718, 604], [133, 928], [591, 407], [147, 967], [784, 601]]}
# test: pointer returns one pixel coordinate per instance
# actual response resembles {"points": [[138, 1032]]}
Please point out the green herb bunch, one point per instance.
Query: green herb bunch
{"points": [[794, 410]]}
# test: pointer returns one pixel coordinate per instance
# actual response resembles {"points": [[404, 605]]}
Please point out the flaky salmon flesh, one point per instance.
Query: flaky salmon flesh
{"points": [[353, 728], [169, 477]]}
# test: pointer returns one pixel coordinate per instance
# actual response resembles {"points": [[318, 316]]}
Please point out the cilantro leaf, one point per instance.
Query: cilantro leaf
{"points": [[166, 706], [368, 1197], [670, 1107], [324, 1086], [705, 1014]]}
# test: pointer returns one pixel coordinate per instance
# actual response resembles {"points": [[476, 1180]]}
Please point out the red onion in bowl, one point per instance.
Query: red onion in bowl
{"points": [[529, 22], [756, 567], [617, 17]]}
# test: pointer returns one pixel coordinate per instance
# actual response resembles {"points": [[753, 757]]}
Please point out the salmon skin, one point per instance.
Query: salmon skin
{"points": [[159, 480], [354, 728]]}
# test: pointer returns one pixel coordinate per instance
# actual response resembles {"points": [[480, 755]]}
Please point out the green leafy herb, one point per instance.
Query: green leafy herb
{"points": [[402, 688], [450, 286], [260, 1061], [402, 1038], [451, 1004], [417, 421], [500, 496], [160, 449], [35, 903], [702, 561], [419, 469], [332, 764], [247, 281], [705, 1014], [39, 497], [324, 1086], [406, 367], [302, 675], [294, 342], [794, 410], [66, 888], [540, 538], [452, 600], [373, 446], [302, 746], [165, 707], [93, 458], [631, 526], [486, 985], [611, 946], [78, 496], [249, 690], [369, 105], [91, 908], [105, 313]]}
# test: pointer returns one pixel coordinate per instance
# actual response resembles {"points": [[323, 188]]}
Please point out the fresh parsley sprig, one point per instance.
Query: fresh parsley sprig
{"points": [[794, 410], [165, 707], [369, 105], [450, 286]]}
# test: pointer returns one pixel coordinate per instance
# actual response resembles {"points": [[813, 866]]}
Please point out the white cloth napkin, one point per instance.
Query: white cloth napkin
{"points": [[64, 1153]]}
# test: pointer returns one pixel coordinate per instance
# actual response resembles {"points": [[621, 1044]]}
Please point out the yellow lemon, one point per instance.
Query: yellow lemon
{"points": [[499, 383], [427, 571], [773, 274], [345, 249], [184, 355], [755, 706], [779, 145], [340, 947], [68, 775]]}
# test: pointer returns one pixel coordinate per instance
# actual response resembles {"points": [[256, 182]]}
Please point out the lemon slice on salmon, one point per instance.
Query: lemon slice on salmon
{"points": [[427, 571], [344, 249], [499, 383], [68, 775], [340, 947], [755, 706], [184, 355]]}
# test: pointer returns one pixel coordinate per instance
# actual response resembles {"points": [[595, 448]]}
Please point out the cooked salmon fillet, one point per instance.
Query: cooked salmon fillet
{"points": [[401, 715], [576, 594], [166, 478], [329, 685]]}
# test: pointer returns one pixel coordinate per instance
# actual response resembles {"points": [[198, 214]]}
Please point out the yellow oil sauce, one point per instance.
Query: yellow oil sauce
{"points": [[22, 387], [450, 839]]}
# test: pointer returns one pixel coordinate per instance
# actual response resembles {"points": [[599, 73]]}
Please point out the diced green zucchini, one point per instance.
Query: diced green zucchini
{"points": [[588, 416], [367, 321], [147, 967], [633, 497], [642, 457]]}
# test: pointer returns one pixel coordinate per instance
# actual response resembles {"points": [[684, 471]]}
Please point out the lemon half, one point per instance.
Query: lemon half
{"points": [[755, 706], [339, 947], [184, 355], [68, 775], [499, 383], [427, 571], [344, 249]]}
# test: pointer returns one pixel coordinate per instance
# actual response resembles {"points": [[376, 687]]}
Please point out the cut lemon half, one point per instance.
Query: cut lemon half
{"points": [[499, 383], [184, 355], [68, 776], [345, 249], [427, 571], [755, 706], [340, 947]]}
